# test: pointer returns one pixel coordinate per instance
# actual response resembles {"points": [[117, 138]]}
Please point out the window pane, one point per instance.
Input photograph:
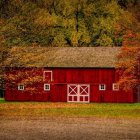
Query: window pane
{"points": [[102, 87], [47, 87], [115, 86], [20, 87]]}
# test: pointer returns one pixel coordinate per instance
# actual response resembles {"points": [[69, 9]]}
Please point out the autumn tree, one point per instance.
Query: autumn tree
{"points": [[129, 67], [1, 70], [24, 76], [3, 55], [21, 64], [129, 57]]}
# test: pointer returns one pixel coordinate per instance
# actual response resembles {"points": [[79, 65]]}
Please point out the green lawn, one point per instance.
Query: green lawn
{"points": [[115, 110], [2, 100]]}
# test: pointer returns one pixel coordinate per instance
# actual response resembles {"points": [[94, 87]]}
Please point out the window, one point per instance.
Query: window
{"points": [[20, 87], [115, 86], [47, 87], [102, 87]]}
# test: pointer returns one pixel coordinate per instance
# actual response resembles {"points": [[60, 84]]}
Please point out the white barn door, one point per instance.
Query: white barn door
{"points": [[78, 93]]}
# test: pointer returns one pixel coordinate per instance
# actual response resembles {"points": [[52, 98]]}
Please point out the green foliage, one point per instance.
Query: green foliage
{"points": [[104, 40], [60, 22]]}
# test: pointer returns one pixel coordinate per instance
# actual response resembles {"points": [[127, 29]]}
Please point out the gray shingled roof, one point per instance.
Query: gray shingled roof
{"points": [[76, 57]]}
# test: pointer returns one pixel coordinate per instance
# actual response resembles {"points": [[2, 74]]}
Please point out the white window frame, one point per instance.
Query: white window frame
{"points": [[46, 72], [113, 86], [100, 85], [48, 88], [19, 87]]}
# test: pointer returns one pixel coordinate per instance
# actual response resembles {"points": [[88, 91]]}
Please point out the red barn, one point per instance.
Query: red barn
{"points": [[85, 74]]}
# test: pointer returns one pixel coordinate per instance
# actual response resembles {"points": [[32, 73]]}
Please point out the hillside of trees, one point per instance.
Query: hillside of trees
{"points": [[74, 23]]}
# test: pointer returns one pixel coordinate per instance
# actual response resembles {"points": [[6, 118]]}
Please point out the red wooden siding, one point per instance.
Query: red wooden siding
{"points": [[61, 77]]}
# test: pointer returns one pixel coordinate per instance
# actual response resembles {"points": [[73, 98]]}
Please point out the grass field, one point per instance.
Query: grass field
{"points": [[69, 121], [115, 110]]}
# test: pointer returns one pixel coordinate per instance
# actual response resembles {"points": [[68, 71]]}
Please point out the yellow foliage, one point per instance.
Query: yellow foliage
{"points": [[43, 18]]}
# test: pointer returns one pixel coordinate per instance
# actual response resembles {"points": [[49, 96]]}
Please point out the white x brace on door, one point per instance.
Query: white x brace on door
{"points": [[78, 93]]}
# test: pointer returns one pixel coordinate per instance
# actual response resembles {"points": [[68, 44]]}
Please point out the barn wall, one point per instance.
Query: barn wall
{"points": [[64, 76]]}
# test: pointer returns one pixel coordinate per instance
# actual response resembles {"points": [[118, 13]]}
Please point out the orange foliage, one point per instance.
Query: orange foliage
{"points": [[25, 77], [129, 60]]}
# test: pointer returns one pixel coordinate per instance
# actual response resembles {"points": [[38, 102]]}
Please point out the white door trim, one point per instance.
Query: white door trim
{"points": [[46, 72]]}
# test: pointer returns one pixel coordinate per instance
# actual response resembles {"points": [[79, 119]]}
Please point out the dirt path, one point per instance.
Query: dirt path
{"points": [[69, 129]]}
